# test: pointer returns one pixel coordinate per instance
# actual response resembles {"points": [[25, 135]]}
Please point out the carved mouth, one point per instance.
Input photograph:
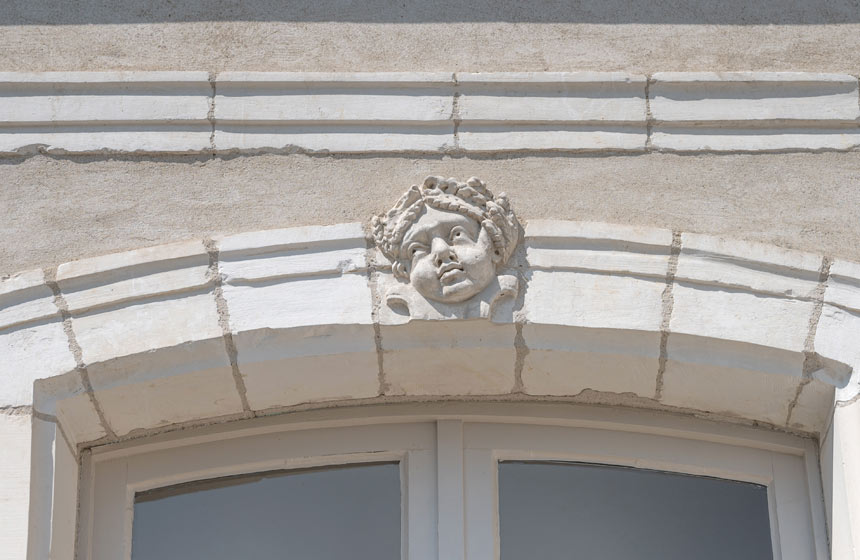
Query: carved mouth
{"points": [[449, 272]]}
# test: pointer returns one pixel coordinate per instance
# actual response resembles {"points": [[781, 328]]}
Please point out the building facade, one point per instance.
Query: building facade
{"points": [[462, 240]]}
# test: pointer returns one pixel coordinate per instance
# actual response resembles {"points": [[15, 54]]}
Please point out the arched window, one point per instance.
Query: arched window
{"points": [[470, 481]]}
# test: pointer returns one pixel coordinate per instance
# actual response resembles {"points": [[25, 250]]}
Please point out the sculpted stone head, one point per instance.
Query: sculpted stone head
{"points": [[446, 238]]}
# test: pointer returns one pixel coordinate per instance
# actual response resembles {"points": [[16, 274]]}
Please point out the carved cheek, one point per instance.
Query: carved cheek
{"points": [[423, 275]]}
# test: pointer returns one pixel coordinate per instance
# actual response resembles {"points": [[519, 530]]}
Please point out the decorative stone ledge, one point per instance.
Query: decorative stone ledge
{"points": [[258, 323], [751, 111], [193, 112]]}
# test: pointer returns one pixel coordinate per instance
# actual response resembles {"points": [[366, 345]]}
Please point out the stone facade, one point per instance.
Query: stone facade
{"points": [[670, 225]]}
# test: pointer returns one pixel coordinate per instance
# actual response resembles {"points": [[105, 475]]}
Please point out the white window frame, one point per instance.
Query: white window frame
{"points": [[449, 455]]}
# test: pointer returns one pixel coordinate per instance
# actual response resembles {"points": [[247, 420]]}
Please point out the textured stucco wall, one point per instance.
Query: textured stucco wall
{"points": [[59, 209], [338, 35]]}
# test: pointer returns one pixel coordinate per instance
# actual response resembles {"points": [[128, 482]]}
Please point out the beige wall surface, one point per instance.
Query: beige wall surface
{"points": [[444, 35], [58, 209]]}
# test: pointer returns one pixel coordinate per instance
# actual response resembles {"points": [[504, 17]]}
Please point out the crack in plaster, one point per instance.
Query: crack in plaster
{"points": [[811, 360], [586, 396], [849, 402], [521, 352], [210, 116], [23, 410], [455, 111], [75, 348], [224, 322], [668, 305], [50, 418], [375, 302], [649, 117], [105, 154]]}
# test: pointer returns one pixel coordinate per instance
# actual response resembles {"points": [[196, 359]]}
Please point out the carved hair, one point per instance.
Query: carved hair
{"points": [[471, 199]]}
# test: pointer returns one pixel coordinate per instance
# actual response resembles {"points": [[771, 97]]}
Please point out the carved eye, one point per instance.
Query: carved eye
{"points": [[415, 249], [457, 233]]}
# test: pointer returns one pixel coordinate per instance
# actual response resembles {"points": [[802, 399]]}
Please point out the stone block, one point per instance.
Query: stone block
{"points": [[754, 111], [749, 139], [64, 397], [148, 369], [565, 360], [296, 277], [814, 407], [476, 137], [338, 138], [123, 278], [551, 97], [181, 383], [593, 246], [334, 112], [448, 358], [296, 302], [146, 325], [92, 111], [31, 352], [761, 96], [32, 340], [308, 364], [837, 338], [843, 285], [591, 300], [551, 111], [718, 312], [300, 313], [726, 383], [753, 267], [302, 252], [14, 484], [24, 297], [273, 97]]}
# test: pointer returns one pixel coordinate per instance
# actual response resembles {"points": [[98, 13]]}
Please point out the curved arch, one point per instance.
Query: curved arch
{"points": [[262, 322]]}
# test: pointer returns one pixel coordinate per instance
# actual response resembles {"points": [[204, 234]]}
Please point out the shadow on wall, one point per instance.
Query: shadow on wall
{"points": [[731, 12]]}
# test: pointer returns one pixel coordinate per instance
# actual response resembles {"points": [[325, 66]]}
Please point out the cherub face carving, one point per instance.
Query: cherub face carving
{"points": [[448, 239], [451, 257]]}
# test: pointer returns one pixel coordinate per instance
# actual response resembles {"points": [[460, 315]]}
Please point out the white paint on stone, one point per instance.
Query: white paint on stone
{"points": [[31, 336], [753, 111], [93, 111], [623, 250], [291, 349], [299, 311], [14, 485], [466, 358], [743, 316], [354, 112], [564, 360], [747, 266], [584, 299], [65, 398]]}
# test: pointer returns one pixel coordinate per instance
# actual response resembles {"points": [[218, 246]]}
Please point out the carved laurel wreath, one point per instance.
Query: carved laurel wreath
{"points": [[472, 199]]}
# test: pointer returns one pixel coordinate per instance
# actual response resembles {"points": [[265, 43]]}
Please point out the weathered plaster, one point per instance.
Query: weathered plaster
{"points": [[331, 35], [57, 209]]}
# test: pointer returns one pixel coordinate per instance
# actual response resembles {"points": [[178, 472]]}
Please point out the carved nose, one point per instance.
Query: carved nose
{"points": [[442, 252]]}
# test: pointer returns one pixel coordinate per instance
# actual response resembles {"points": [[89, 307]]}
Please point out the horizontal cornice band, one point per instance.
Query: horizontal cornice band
{"points": [[197, 112]]}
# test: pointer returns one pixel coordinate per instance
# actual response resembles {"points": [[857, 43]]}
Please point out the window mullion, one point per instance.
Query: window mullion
{"points": [[449, 473]]}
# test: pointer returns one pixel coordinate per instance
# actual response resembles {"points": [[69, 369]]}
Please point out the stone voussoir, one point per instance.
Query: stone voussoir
{"points": [[299, 308]]}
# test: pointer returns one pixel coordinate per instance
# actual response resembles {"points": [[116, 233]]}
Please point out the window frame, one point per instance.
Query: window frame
{"points": [[444, 463]]}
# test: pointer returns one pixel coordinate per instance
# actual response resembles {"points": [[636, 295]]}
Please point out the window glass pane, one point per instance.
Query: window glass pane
{"points": [[572, 510], [319, 514]]}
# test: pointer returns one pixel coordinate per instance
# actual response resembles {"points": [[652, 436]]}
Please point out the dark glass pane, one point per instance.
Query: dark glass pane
{"points": [[598, 512], [315, 514]]}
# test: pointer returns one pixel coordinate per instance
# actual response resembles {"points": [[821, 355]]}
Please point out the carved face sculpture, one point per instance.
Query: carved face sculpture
{"points": [[450, 256], [447, 239]]}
